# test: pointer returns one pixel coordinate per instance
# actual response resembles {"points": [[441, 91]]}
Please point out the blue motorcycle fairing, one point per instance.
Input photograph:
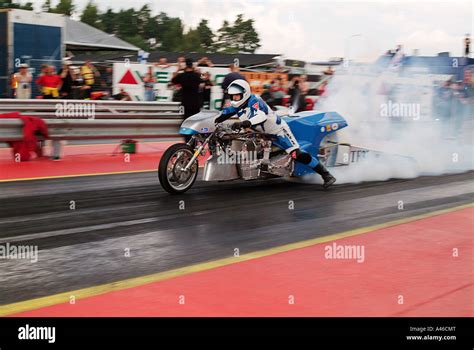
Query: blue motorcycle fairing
{"points": [[309, 128], [188, 131]]}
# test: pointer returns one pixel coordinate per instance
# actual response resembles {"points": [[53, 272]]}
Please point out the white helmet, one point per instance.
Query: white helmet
{"points": [[239, 87]]}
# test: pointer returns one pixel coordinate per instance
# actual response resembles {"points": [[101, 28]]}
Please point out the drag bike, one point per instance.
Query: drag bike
{"points": [[247, 154]]}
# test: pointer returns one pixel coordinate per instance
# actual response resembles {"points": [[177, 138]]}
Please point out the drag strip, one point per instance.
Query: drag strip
{"points": [[84, 227]]}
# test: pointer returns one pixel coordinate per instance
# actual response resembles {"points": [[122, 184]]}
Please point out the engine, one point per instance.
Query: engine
{"points": [[247, 159]]}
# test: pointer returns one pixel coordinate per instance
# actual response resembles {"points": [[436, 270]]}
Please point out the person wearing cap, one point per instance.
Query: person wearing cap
{"points": [[23, 80]]}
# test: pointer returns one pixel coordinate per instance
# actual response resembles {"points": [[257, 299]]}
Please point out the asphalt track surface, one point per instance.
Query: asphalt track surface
{"points": [[86, 246]]}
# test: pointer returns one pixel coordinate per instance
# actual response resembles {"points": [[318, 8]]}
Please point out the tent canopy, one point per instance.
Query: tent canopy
{"points": [[220, 59], [81, 36]]}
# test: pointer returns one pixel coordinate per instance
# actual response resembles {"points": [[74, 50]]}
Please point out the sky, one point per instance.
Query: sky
{"points": [[315, 30]]}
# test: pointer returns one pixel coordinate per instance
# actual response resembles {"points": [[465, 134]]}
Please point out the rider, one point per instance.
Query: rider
{"points": [[254, 113]]}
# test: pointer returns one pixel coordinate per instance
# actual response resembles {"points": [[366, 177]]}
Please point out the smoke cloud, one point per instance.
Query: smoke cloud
{"points": [[401, 118]]}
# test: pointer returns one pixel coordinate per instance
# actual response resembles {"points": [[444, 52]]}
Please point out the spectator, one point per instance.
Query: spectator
{"points": [[445, 95], [50, 83], [297, 98], [322, 88], [181, 63], [467, 45], [23, 80], [189, 81], [107, 80], [67, 80], [149, 81], [43, 69], [122, 96], [229, 78], [207, 85], [304, 85], [89, 73], [77, 83], [205, 62], [278, 91], [266, 95], [282, 84], [280, 69], [328, 71], [163, 63]]}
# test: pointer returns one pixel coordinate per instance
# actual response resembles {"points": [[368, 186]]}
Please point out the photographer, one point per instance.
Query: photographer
{"points": [[23, 80]]}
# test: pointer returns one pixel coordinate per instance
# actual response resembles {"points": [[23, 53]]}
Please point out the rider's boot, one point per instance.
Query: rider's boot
{"points": [[306, 158], [327, 177]]}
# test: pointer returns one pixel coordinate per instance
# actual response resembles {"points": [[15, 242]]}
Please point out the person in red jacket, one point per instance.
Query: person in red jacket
{"points": [[33, 127], [50, 83]]}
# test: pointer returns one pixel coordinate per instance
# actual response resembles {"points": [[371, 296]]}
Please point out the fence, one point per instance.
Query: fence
{"points": [[94, 120]]}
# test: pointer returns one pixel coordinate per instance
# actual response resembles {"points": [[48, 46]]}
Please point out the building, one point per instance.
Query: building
{"points": [[44, 38]]}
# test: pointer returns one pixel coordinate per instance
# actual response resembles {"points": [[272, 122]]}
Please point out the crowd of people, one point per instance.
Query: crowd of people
{"points": [[70, 82], [192, 87], [274, 93], [90, 82], [453, 98]]}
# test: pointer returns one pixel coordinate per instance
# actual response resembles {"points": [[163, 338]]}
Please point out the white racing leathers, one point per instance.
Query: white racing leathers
{"points": [[263, 119]]}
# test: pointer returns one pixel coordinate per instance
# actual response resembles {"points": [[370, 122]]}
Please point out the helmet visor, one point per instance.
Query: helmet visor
{"points": [[236, 97]]}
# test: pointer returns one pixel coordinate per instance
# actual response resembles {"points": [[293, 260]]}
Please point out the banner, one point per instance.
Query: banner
{"points": [[129, 76], [257, 79]]}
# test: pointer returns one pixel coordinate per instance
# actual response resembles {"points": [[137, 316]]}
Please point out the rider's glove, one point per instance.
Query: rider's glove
{"points": [[239, 125], [220, 118]]}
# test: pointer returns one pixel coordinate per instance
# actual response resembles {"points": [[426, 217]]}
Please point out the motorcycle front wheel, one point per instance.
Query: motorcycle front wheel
{"points": [[171, 171]]}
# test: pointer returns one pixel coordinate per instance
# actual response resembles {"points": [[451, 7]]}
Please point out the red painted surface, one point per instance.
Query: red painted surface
{"points": [[128, 78], [87, 159], [413, 260]]}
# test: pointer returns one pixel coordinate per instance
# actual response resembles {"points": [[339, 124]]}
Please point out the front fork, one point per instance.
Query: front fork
{"points": [[197, 152]]}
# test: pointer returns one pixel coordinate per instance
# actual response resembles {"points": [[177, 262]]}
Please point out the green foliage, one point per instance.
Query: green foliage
{"points": [[47, 7], [240, 37], [10, 4], [90, 16], [65, 7], [140, 28]]}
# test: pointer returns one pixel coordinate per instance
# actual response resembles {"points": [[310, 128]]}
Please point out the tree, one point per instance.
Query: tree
{"points": [[90, 15], [127, 23], [143, 17], [65, 7], [47, 7], [10, 4], [170, 32], [192, 41], [224, 38], [138, 41], [241, 37], [206, 37], [247, 37], [108, 20], [28, 6]]}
